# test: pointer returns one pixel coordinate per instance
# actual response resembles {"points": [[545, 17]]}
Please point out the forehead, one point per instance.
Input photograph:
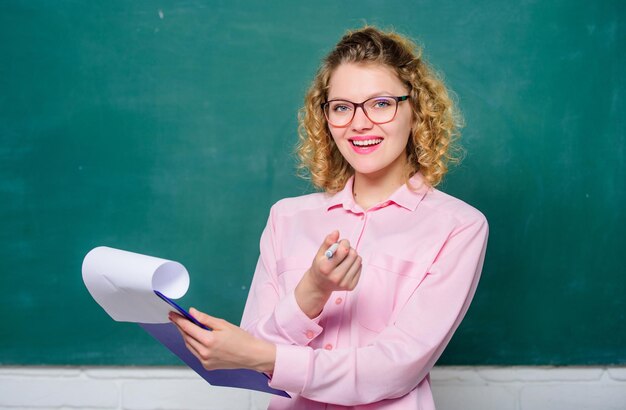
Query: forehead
{"points": [[357, 82]]}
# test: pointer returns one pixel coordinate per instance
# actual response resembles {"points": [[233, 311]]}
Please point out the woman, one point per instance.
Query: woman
{"points": [[364, 326]]}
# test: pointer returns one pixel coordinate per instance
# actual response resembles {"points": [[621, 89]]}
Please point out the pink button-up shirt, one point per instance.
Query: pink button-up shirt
{"points": [[373, 347]]}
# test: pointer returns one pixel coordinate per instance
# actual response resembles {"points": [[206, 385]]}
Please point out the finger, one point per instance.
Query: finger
{"points": [[347, 259], [198, 347], [356, 278], [177, 318], [343, 250], [186, 339], [340, 271], [201, 352], [352, 276], [207, 320], [350, 269], [186, 326], [340, 254], [330, 239], [324, 265]]}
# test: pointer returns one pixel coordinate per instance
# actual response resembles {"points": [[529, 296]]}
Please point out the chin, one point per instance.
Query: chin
{"points": [[373, 171]]}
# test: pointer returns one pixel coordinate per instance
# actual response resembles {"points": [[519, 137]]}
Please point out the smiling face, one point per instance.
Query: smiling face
{"points": [[373, 150]]}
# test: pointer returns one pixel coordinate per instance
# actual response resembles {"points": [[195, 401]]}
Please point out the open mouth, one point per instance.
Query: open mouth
{"points": [[366, 143]]}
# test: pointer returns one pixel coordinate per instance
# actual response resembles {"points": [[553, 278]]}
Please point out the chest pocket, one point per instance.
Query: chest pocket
{"points": [[385, 285], [290, 271]]}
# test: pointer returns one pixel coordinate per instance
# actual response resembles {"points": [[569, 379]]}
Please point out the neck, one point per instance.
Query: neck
{"points": [[370, 190]]}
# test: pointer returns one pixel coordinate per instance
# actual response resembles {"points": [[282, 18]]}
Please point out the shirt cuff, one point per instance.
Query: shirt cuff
{"points": [[292, 368], [294, 323]]}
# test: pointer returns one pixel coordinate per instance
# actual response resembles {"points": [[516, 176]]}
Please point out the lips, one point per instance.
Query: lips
{"points": [[365, 144]]}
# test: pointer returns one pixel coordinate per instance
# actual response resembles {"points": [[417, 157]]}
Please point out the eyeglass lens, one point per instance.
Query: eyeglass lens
{"points": [[378, 109]]}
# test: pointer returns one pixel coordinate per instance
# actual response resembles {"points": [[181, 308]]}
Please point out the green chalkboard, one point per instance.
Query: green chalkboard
{"points": [[167, 128]]}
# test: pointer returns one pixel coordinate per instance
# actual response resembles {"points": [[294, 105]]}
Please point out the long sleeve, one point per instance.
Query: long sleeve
{"points": [[404, 352], [272, 314], [374, 346]]}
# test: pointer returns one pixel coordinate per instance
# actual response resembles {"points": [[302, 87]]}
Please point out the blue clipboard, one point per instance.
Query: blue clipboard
{"points": [[181, 310], [169, 336]]}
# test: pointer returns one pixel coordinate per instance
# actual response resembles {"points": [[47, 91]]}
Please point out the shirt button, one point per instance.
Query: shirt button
{"points": [[338, 301], [328, 347], [309, 334]]}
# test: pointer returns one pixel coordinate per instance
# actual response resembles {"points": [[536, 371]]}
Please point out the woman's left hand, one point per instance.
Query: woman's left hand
{"points": [[227, 346]]}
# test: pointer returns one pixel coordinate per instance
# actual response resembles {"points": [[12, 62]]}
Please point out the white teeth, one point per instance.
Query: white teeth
{"points": [[367, 143]]}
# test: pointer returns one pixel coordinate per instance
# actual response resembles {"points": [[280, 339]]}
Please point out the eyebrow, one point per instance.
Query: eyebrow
{"points": [[376, 94]]}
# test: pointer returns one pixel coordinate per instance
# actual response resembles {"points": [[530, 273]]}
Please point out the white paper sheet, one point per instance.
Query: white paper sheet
{"points": [[123, 284]]}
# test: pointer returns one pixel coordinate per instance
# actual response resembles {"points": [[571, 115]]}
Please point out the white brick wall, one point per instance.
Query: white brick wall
{"points": [[529, 388], [455, 388]]}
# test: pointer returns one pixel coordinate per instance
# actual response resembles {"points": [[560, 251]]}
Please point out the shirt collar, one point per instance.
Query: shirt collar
{"points": [[407, 196], [343, 197]]}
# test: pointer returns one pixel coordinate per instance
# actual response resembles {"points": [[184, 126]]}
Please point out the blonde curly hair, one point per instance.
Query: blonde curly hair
{"points": [[436, 122]]}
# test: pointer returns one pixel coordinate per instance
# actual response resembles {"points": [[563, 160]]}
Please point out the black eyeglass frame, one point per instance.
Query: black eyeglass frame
{"points": [[362, 105]]}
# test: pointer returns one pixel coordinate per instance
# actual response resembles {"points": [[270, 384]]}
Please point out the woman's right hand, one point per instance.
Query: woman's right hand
{"points": [[341, 272]]}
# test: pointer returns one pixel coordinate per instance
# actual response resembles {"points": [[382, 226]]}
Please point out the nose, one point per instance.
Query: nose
{"points": [[360, 121]]}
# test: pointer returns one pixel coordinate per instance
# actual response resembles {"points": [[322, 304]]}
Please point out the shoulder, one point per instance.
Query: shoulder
{"points": [[294, 205], [446, 206]]}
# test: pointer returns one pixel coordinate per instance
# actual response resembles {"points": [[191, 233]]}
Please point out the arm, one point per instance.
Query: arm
{"points": [[293, 319], [325, 276], [268, 320], [225, 347], [403, 354], [228, 346]]}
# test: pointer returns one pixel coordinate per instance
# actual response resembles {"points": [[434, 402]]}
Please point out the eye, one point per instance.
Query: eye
{"points": [[340, 107], [381, 103]]}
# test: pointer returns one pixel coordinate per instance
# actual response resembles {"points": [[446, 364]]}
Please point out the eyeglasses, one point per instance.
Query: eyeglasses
{"points": [[379, 110]]}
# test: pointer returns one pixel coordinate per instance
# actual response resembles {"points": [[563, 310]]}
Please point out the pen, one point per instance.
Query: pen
{"points": [[331, 251]]}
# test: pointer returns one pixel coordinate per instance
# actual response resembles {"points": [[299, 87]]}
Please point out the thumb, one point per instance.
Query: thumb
{"points": [[207, 320], [331, 238]]}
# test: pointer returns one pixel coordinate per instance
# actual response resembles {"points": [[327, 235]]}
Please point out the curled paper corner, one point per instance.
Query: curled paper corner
{"points": [[126, 284], [123, 284]]}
